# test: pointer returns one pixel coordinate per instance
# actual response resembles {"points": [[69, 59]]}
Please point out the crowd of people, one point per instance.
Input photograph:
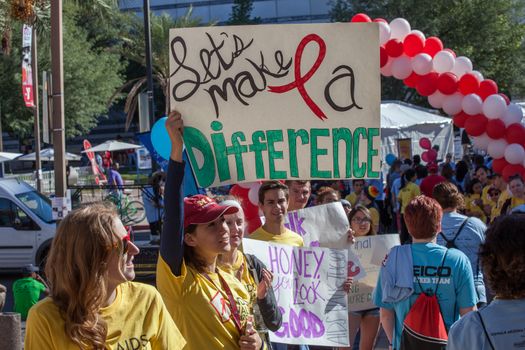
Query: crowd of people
{"points": [[210, 295]]}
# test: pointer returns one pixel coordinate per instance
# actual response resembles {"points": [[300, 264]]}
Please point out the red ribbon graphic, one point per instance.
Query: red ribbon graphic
{"points": [[300, 80]]}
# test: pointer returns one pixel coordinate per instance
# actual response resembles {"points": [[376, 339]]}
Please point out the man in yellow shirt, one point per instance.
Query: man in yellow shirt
{"points": [[357, 187], [273, 202]]}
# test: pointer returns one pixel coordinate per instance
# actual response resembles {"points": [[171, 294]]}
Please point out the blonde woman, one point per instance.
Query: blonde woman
{"points": [[93, 303]]}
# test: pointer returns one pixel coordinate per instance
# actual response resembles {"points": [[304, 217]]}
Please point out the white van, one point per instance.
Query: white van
{"points": [[26, 225]]}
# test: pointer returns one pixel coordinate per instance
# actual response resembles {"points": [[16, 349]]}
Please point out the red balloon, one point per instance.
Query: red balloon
{"points": [[432, 155], [413, 44], [360, 17], [486, 88], [451, 51], [476, 125], [425, 143], [432, 46], [515, 133], [383, 57], [447, 83], [499, 164], [394, 48], [427, 84], [379, 19], [424, 156], [468, 84], [239, 192], [412, 80], [507, 100], [496, 129], [511, 170], [460, 119]]}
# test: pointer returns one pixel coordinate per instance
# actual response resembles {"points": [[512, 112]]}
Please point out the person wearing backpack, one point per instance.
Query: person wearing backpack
{"points": [[500, 325], [461, 232], [423, 288]]}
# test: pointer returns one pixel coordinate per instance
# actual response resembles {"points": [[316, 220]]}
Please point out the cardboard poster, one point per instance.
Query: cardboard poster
{"points": [[308, 286], [278, 101]]}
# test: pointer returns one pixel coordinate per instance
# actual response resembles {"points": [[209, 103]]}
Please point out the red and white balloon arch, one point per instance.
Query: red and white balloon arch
{"points": [[451, 84]]}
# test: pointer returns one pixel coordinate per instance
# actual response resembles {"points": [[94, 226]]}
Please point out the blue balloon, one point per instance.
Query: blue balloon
{"points": [[160, 139], [390, 158]]}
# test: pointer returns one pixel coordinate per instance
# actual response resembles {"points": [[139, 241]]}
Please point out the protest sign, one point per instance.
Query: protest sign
{"points": [[278, 101], [367, 253], [308, 287], [320, 226]]}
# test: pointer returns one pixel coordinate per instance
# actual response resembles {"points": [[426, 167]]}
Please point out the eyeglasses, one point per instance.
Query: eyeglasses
{"points": [[494, 193], [361, 221]]}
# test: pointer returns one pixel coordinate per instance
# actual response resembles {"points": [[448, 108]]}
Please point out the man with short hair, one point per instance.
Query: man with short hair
{"points": [[467, 234], [299, 193], [420, 267], [357, 187], [273, 202], [26, 291]]}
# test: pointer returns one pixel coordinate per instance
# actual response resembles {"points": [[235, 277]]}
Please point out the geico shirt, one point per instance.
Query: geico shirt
{"points": [[201, 308], [137, 319], [287, 237]]}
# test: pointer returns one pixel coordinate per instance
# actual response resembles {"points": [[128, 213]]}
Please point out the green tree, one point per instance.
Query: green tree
{"points": [[490, 33], [91, 75], [241, 13], [133, 50]]}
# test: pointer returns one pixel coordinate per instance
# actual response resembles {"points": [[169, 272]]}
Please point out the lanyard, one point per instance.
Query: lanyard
{"points": [[233, 305]]}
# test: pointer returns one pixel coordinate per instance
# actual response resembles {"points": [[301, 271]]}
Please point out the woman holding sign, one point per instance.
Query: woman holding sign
{"points": [[249, 271], [212, 308], [366, 321]]}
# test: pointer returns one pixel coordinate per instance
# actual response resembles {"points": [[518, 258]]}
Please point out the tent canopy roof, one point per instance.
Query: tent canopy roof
{"points": [[395, 115]]}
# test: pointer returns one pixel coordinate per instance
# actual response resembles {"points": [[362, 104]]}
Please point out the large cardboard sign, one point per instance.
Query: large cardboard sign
{"points": [[364, 262], [278, 101], [320, 226], [308, 287]]}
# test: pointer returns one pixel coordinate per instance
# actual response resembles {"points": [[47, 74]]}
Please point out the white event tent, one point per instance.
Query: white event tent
{"points": [[404, 121]]}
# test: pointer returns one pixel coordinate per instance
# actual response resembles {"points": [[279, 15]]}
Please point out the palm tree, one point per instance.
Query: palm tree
{"points": [[134, 51]]}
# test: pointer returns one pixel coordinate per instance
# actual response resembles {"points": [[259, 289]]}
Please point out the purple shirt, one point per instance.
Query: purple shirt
{"points": [[115, 179]]}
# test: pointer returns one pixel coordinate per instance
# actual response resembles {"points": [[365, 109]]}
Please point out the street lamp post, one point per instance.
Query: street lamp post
{"points": [[36, 113], [58, 98], [149, 71]]}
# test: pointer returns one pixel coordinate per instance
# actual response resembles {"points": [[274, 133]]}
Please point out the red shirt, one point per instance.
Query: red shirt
{"points": [[428, 183]]}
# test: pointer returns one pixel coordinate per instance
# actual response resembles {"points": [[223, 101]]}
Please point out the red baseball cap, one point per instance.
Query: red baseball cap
{"points": [[201, 209]]}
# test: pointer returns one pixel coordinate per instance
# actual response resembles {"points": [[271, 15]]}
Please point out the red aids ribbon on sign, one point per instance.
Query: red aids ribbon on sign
{"points": [[301, 80]]}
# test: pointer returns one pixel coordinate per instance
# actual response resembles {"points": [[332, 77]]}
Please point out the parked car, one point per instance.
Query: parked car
{"points": [[26, 225]]}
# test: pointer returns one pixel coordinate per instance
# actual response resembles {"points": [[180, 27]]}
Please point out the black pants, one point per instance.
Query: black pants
{"points": [[404, 236], [155, 227]]}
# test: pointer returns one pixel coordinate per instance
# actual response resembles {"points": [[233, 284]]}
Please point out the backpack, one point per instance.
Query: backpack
{"points": [[423, 327], [451, 243]]}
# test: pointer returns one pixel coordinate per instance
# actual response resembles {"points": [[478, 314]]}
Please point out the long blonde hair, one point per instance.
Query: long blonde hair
{"points": [[77, 269]]}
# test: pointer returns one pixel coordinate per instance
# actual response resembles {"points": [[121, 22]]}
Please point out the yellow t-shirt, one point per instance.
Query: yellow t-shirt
{"points": [[287, 237], [374, 214], [352, 198], [241, 270], [485, 194], [473, 209], [201, 308], [496, 210], [406, 194], [514, 202], [137, 319]]}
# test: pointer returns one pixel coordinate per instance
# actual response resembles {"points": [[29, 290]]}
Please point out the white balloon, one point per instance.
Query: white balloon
{"points": [[478, 75], [496, 148], [482, 141], [399, 28], [472, 104], [494, 106], [253, 194], [422, 63], [384, 32], [418, 33], [436, 99], [386, 70], [452, 103], [443, 61], [402, 67], [514, 114], [462, 65], [245, 184], [514, 154]]}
